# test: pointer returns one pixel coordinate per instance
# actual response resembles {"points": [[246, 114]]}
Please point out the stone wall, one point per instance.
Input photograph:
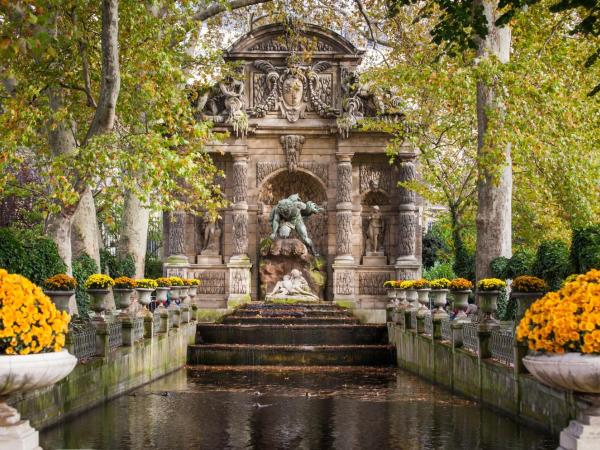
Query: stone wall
{"points": [[102, 378], [485, 380]]}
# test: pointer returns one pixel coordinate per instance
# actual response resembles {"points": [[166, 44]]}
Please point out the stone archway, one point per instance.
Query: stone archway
{"points": [[282, 184]]}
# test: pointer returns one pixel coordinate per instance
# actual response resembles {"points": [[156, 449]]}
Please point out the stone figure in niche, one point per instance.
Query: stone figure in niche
{"points": [[211, 239], [288, 215], [293, 285], [374, 241]]}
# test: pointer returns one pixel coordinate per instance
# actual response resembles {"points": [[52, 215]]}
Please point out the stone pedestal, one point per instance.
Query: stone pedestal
{"points": [[344, 292], [239, 281], [374, 259], [128, 324], [209, 260], [281, 256], [583, 433], [16, 434]]}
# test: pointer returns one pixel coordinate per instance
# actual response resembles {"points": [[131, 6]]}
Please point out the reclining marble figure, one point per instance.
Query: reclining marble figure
{"points": [[292, 285]]}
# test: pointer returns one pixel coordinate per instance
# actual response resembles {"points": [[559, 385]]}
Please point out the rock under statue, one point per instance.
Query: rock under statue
{"points": [[293, 285], [288, 215]]}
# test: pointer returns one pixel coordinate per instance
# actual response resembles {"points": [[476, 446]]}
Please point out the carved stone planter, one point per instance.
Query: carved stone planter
{"points": [[461, 303], [488, 302], [123, 297], [175, 293], [573, 372], [438, 297], [144, 295], [423, 296], [99, 298], [24, 373], [391, 293], [161, 293], [524, 301], [60, 299]]}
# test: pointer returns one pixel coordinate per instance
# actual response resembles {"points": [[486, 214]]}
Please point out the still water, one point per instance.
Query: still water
{"points": [[344, 408]]}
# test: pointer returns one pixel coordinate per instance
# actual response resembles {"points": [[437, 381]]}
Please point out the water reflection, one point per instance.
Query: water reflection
{"points": [[345, 408]]}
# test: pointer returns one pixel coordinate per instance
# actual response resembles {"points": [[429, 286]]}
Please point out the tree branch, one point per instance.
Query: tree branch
{"points": [[215, 8], [104, 118]]}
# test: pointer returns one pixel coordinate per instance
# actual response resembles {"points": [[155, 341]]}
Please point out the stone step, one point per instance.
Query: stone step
{"points": [[235, 319], [324, 306], [290, 312], [295, 355], [347, 334]]}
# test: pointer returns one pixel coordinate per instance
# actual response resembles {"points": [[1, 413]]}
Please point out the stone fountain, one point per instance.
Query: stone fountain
{"points": [[290, 267]]}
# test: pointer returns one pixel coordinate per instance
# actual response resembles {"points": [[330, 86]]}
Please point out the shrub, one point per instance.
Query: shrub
{"points": [[99, 281], [434, 246], [521, 263], [124, 283], [26, 253], [464, 265], [439, 270], [440, 283], [176, 281], [42, 329], [153, 267], [507, 310], [163, 282], [490, 284], [498, 267], [585, 248], [552, 262], [567, 320], [526, 283], [117, 266], [83, 267], [146, 283], [460, 284], [420, 284], [60, 282]]}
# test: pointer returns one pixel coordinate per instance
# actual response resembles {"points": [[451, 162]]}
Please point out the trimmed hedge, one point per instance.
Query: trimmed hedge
{"points": [[585, 248], [83, 267], [552, 263], [29, 254]]}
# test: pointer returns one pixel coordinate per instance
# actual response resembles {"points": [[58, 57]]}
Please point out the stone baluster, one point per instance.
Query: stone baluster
{"points": [[239, 264], [406, 262], [344, 265]]}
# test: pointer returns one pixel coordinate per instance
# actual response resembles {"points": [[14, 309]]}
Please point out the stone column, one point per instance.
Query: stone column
{"points": [[407, 265], [344, 265], [239, 264], [177, 239]]}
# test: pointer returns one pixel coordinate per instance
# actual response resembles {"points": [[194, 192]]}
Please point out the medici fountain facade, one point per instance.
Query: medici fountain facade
{"points": [[315, 210]]}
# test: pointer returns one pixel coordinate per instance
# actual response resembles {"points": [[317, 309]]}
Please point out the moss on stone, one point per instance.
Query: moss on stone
{"points": [[265, 245]]}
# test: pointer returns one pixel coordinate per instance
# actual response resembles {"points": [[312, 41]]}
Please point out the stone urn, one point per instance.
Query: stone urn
{"points": [[461, 303], [24, 373], [488, 303], [412, 297], [185, 291], [193, 291], [122, 297], [144, 295], [161, 294], [175, 293], [524, 301], [401, 297], [99, 299], [572, 372], [423, 296], [391, 293], [60, 299], [438, 298]]}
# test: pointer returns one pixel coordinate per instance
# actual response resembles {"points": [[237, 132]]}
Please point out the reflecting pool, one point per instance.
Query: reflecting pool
{"points": [[329, 408]]}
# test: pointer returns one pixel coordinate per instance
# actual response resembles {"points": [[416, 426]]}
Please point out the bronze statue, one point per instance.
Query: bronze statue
{"points": [[288, 215]]}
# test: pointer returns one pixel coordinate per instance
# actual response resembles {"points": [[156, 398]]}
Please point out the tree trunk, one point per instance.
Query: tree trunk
{"points": [[59, 230], [85, 233], [494, 191], [134, 232]]}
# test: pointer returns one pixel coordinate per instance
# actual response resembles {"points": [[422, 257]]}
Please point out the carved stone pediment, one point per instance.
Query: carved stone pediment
{"points": [[274, 38]]}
